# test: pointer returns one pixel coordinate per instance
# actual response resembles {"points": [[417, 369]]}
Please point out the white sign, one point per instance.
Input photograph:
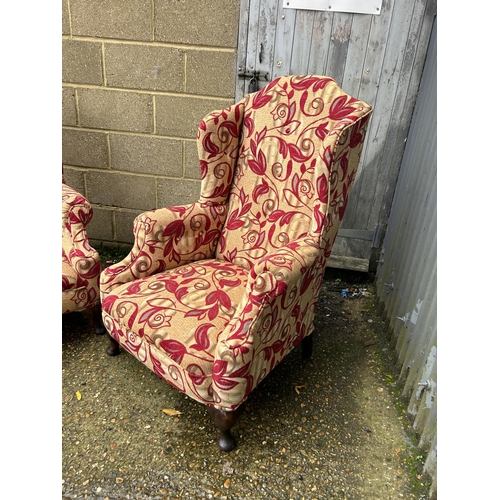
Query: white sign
{"points": [[354, 6]]}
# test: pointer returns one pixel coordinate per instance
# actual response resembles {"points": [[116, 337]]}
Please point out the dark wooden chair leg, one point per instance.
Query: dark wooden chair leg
{"points": [[307, 346], [114, 347], [224, 421], [97, 319]]}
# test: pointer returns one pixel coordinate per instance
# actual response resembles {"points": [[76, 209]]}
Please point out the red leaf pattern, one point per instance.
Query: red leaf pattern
{"points": [[224, 288], [81, 265]]}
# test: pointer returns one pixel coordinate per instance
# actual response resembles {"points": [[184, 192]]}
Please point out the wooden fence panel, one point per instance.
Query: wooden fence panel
{"points": [[377, 58]]}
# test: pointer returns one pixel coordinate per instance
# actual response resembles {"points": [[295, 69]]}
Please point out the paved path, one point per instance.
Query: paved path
{"points": [[325, 428]]}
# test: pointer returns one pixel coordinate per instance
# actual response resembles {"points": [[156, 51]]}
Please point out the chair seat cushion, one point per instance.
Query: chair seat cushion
{"points": [[171, 321]]}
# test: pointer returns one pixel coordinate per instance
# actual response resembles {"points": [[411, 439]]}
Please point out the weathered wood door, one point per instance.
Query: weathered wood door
{"points": [[376, 58]]}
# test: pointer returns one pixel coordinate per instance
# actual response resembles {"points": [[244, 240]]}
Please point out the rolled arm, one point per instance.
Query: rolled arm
{"points": [[76, 214], [291, 262], [274, 315], [165, 239], [281, 276]]}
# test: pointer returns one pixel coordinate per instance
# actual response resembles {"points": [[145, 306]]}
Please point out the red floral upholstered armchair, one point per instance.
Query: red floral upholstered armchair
{"points": [[81, 265], [214, 294]]}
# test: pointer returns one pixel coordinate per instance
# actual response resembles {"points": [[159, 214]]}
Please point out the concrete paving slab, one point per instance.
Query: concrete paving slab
{"points": [[328, 427]]}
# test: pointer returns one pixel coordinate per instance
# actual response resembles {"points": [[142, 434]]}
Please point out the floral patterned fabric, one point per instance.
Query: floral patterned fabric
{"points": [[81, 266], [214, 294]]}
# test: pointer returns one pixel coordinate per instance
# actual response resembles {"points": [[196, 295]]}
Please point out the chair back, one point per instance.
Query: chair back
{"points": [[292, 151]]}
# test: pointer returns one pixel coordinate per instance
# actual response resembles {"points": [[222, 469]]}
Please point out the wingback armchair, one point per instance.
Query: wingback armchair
{"points": [[81, 265], [214, 294]]}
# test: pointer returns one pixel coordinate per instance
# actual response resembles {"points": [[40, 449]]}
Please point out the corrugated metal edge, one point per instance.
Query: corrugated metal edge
{"points": [[406, 282]]}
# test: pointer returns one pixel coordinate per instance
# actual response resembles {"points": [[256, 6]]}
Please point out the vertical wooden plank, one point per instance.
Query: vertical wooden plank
{"points": [[283, 42], [304, 24], [356, 54], [418, 175], [405, 24], [252, 38], [320, 42], [378, 86], [266, 35], [338, 46], [397, 89], [351, 84], [242, 48]]}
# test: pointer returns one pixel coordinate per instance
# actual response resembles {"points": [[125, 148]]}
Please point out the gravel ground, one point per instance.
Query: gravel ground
{"points": [[326, 428]]}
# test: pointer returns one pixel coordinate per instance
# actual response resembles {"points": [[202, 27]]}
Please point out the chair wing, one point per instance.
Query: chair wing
{"points": [[81, 265], [215, 294], [295, 168], [169, 237]]}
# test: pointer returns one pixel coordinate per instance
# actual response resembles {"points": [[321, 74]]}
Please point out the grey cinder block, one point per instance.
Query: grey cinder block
{"points": [[146, 155], [180, 116], [84, 148], [115, 110], [204, 22], [122, 19], [82, 62], [144, 67]]}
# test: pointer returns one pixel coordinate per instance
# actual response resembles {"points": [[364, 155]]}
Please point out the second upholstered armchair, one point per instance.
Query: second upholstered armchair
{"points": [[214, 294], [81, 265]]}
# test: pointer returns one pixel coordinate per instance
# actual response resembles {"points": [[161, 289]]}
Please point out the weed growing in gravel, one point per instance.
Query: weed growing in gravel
{"points": [[112, 254]]}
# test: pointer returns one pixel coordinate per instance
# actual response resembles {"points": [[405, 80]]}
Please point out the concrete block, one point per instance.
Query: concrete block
{"points": [[191, 160], [122, 19], [204, 22], [122, 190], [144, 67], [75, 179], [115, 110], [146, 155], [211, 73], [84, 148], [65, 18], [124, 226], [180, 116], [82, 62], [177, 192], [101, 225], [68, 107]]}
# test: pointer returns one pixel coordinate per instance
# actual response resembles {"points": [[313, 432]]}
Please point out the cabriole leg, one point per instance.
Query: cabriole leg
{"points": [[224, 421], [307, 346], [97, 319], [114, 347]]}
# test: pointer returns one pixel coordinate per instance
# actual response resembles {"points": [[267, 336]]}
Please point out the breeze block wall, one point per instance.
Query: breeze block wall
{"points": [[138, 76]]}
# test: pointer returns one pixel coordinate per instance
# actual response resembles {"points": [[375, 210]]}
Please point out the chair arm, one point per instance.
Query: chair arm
{"points": [[282, 277], [271, 319], [288, 264], [76, 214], [167, 238]]}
